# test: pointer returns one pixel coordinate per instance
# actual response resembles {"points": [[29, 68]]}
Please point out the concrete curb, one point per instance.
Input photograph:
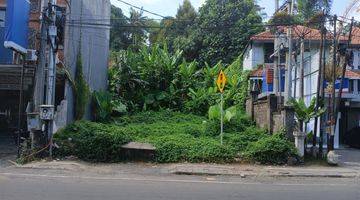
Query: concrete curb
{"points": [[274, 175]]}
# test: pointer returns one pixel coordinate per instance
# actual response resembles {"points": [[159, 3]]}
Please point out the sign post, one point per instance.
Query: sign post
{"points": [[221, 82]]}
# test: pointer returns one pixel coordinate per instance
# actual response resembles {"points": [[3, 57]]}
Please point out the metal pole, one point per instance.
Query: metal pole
{"points": [[50, 97], [222, 118]]}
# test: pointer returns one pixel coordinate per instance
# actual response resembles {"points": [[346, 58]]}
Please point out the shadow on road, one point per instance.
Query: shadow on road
{"points": [[7, 149]]}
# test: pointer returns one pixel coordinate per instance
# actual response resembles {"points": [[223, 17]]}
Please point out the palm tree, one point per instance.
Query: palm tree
{"points": [[137, 23]]}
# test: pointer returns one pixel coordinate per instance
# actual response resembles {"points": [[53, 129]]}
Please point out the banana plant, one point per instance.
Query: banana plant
{"points": [[305, 113]]}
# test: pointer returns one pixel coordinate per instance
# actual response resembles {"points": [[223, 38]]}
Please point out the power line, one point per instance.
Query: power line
{"points": [[142, 9]]}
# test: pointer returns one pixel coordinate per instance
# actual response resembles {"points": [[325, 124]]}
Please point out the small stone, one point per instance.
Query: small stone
{"points": [[332, 158], [242, 175], [292, 161]]}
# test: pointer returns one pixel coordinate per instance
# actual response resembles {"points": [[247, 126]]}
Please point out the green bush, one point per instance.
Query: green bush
{"points": [[102, 106], [184, 147], [241, 140], [150, 117], [238, 124], [275, 149], [177, 137], [91, 141]]}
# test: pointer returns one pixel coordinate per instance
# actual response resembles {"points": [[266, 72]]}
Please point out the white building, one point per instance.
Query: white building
{"points": [[257, 58]]}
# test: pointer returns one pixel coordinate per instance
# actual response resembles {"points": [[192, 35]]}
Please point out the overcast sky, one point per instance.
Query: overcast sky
{"points": [[169, 7]]}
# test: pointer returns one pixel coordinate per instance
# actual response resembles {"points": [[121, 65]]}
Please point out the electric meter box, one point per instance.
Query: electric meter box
{"points": [[47, 112]]}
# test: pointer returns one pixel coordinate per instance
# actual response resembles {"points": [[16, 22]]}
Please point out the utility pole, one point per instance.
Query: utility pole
{"points": [[319, 85], [51, 78], [277, 89], [338, 102], [289, 112], [333, 116], [39, 78], [302, 71], [288, 78], [322, 94]]}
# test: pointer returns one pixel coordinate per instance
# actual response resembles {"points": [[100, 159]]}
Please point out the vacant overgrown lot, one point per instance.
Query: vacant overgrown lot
{"points": [[177, 137]]}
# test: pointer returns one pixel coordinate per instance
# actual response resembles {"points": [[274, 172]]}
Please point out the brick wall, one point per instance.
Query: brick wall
{"points": [[265, 113], [261, 113]]}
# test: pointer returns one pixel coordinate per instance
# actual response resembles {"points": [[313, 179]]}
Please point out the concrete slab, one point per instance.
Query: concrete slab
{"points": [[139, 146]]}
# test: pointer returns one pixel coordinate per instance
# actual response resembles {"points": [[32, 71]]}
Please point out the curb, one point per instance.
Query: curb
{"points": [[266, 175]]}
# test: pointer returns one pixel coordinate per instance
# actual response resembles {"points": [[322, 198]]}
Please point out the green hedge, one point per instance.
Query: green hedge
{"points": [[184, 147], [91, 141], [275, 149], [240, 140], [177, 137]]}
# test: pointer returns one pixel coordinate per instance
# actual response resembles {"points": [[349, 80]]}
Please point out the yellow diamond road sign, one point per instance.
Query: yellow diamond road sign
{"points": [[221, 81]]}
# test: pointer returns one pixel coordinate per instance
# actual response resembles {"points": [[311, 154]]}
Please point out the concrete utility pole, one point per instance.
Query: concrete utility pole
{"points": [[302, 71], [289, 112], [50, 92], [39, 78], [333, 116], [288, 76], [276, 56], [338, 101]]}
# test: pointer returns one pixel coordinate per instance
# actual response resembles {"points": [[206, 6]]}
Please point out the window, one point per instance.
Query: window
{"points": [[2, 17], [268, 51], [351, 86]]}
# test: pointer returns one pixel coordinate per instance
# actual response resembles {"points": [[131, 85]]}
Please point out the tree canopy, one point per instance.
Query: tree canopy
{"points": [[218, 32], [309, 8]]}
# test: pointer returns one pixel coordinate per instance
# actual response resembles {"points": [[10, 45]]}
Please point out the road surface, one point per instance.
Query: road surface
{"points": [[37, 186]]}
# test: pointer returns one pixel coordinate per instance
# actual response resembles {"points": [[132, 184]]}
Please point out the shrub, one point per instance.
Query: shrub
{"points": [[91, 141], [238, 123], [270, 150], [102, 107], [150, 117], [184, 147], [241, 140]]}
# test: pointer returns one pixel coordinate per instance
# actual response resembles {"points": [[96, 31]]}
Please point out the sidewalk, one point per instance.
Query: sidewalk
{"points": [[240, 170]]}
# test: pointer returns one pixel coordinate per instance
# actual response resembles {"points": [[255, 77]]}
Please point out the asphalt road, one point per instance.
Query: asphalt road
{"points": [[32, 186]]}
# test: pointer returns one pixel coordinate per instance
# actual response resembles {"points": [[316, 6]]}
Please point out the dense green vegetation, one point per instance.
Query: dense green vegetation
{"points": [[162, 90], [217, 32], [153, 78], [177, 136]]}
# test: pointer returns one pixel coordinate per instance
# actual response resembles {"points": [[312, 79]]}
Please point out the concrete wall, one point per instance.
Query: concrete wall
{"points": [[265, 113], [92, 40]]}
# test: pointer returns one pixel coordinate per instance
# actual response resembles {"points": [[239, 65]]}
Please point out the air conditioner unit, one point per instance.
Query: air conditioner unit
{"points": [[31, 55]]}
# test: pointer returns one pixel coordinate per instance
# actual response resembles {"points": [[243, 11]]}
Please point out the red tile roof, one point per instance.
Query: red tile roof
{"points": [[299, 31], [352, 74], [355, 36]]}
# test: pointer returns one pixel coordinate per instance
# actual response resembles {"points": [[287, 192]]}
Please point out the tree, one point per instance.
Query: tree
{"points": [[176, 31], [224, 27], [119, 34], [137, 28], [186, 16], [309, 8]]}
